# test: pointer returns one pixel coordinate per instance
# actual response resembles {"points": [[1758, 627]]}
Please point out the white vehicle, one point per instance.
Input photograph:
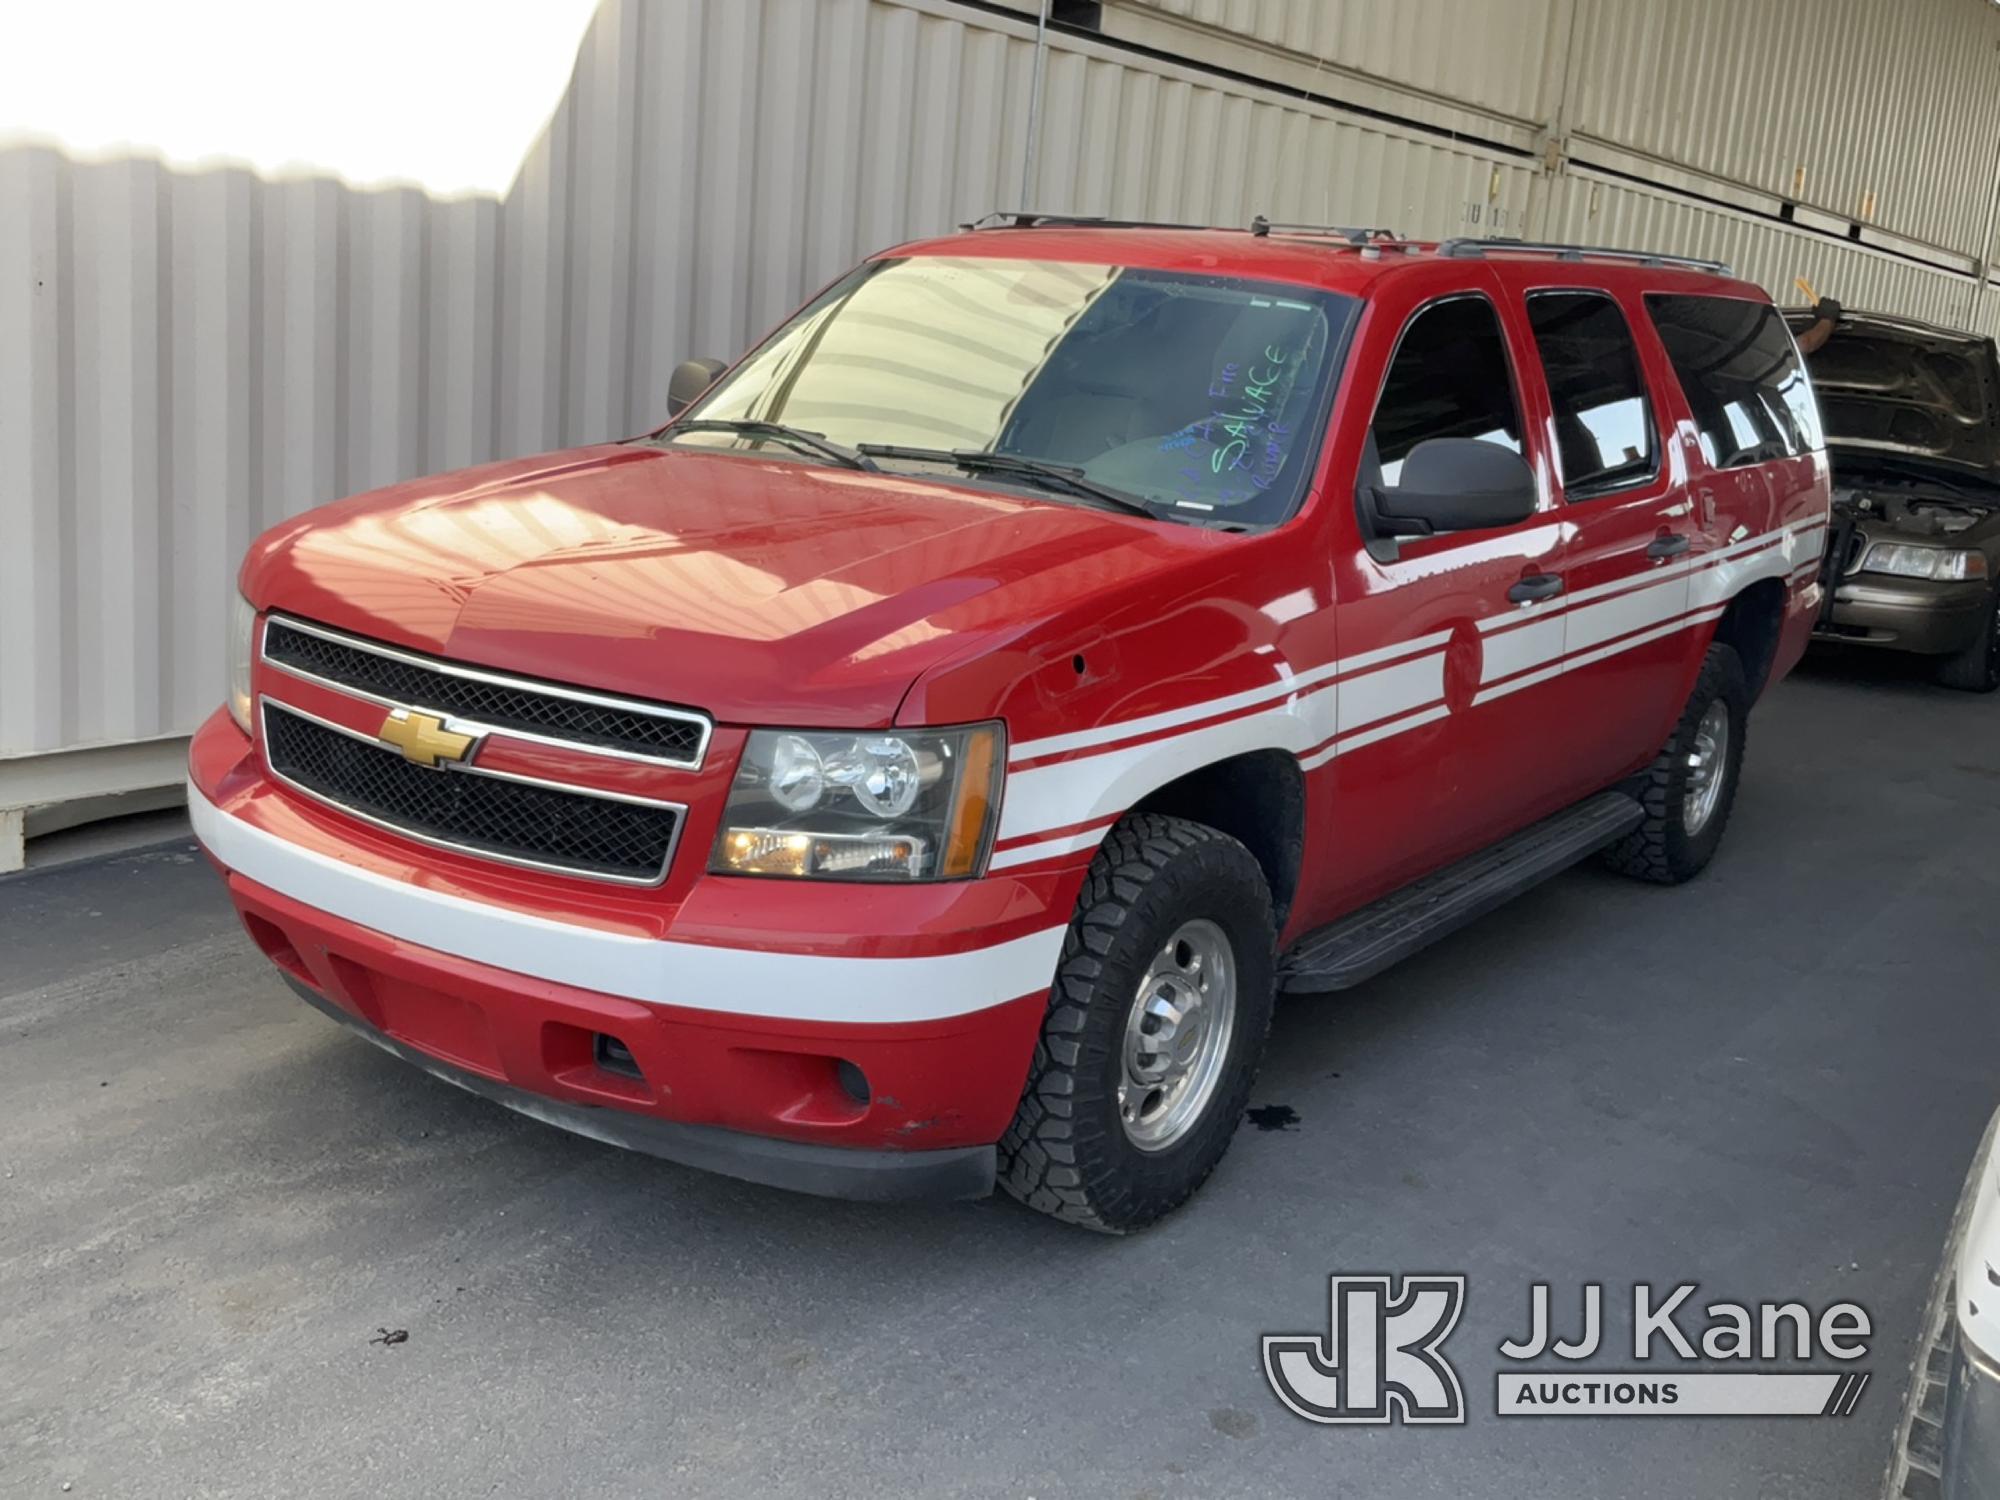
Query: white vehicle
{"points": [[1948, 1435]]}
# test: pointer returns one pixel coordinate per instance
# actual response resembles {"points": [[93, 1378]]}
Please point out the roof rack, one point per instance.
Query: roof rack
{"points": [[1259, 226], [1262, 226], [1464, 247], [1368, 240], [1008, 219]]}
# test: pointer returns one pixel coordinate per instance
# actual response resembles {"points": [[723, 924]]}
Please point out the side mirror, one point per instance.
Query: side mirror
{"points": [[690, 378], [1457, 484]]}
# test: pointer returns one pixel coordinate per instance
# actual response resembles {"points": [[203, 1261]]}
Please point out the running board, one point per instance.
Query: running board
{"points": [[1364, 943]]}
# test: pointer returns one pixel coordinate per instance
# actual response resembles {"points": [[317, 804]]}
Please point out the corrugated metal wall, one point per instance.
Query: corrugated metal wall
{"points": [[186, 358], [1494, 55], [1170, 143], [1596, 210], [189, 356], [1889, 113], [1882, 111]]}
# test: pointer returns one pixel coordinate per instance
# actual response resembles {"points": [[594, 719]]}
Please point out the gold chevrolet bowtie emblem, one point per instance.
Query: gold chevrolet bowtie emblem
{"points": [[424, 739]]}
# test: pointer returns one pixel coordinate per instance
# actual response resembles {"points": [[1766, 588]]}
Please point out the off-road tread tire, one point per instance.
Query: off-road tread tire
{"points": [[1971, 670], [1074, 1165], [1659, 850]]}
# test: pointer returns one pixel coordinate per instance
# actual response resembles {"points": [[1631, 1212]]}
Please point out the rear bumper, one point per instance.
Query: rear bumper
{"points": [[829, 1171], [1908, 614]]}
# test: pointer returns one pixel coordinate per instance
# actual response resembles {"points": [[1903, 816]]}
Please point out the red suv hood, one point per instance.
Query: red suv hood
{"points": [[763, 591]]}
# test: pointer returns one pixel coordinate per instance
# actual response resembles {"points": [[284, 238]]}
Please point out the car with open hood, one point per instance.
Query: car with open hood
{"points": [[1912, 417], [919, 763]]}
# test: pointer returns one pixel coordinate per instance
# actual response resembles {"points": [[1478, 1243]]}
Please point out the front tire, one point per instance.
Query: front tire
{"points": [[1976, 669], [1155, 1027], [1690, 789]]}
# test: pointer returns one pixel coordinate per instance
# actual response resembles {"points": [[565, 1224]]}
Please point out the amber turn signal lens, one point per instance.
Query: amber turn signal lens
{"points": [[972, 804]]}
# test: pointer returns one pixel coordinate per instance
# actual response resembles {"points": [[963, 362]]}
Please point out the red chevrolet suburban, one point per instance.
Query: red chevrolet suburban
{"points": [[920, 762]]}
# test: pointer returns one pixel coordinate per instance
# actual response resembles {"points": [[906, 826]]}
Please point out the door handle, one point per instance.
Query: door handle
{"points": [[1536, 587], [1670, 544]]}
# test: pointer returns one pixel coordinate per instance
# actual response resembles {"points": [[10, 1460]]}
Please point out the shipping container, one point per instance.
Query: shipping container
{"points": [[1587, 209], [189, 354], [1885, 114]]}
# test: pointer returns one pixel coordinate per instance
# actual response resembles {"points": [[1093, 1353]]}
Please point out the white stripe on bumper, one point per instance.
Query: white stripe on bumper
{"points": [[737, 981]]}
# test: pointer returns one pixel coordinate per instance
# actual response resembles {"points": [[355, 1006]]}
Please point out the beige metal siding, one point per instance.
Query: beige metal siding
{"points": [[35, 506], [1618, 215], [187, 357], [1896, 100], [1491, 54], [1986, 319], [1169, 143]]}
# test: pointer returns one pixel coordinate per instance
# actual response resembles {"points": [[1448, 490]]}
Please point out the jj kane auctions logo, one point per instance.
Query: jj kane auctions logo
{"points": [[1382, 1357]]}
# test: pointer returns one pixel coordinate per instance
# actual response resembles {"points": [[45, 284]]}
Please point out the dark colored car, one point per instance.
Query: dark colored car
{"points": [[1912, 418]]}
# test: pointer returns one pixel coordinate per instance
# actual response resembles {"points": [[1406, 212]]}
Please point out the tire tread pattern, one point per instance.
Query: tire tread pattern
{"points": [[1648, 851], [1040, 1162], [1972, 669]]}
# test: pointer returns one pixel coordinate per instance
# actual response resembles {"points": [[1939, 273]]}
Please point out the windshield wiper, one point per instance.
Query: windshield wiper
{"points": [[778, 432], [1064, 477]]}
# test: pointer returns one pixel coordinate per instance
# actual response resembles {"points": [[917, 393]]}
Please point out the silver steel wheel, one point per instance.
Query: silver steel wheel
{"points": [[1177, 1036], [1708, 768]]}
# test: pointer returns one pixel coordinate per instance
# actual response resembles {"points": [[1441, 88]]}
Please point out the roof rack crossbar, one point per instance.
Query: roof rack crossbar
{"points": [[1010, 219], [1259, 226], [1465, 246], [1354, 235]]}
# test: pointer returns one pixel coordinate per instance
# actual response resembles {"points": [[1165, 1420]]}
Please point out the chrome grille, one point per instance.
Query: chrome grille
{"points": [[521, 706], [479, 812]]}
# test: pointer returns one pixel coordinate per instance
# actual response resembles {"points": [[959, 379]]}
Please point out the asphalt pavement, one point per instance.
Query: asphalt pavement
{"points": [[218, 1209]]}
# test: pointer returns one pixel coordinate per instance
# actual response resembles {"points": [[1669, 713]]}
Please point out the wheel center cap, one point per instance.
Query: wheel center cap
{"points": [[1177, 1036]]}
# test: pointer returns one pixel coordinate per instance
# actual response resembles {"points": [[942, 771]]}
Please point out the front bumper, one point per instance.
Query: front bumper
{"points": [[1906, 614], [829, 1171], [867, 1044]]}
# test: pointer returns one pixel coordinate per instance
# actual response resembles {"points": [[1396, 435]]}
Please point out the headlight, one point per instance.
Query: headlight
{"points": [[242, 646], [909, 804], [1935, 563]]}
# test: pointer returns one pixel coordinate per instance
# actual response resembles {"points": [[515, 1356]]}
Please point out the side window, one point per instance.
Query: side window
{"points": [[1742, 377], [1450, 378], [1605, 436]]}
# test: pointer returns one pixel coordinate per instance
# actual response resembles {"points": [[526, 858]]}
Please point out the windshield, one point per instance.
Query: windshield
{"points": [[1203, 396]]}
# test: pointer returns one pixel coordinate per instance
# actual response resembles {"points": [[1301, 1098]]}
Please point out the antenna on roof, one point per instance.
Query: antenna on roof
{"points": [[1304, 125]]}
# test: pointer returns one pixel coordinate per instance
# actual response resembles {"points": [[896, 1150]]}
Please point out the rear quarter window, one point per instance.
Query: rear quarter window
{"points": [[1741, 374]]}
